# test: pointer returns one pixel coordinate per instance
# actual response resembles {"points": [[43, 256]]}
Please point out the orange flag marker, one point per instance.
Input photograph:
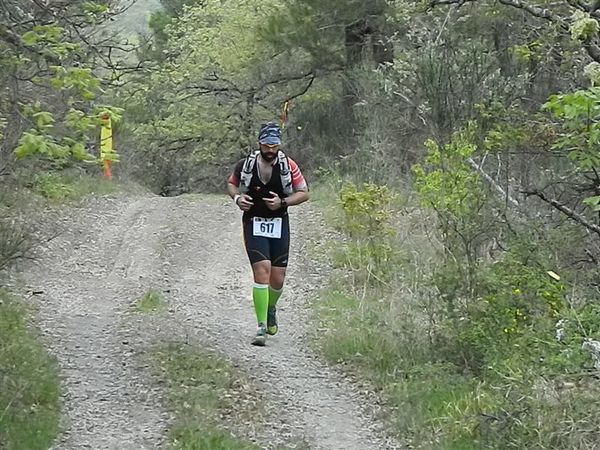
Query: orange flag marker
{"points": [[107, 152]]}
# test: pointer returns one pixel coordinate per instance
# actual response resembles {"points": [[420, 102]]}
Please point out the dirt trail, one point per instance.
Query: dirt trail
{"points": [[110, 252]]}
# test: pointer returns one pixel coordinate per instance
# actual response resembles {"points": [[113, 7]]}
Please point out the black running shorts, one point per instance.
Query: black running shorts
{"points": [[261, 248]]}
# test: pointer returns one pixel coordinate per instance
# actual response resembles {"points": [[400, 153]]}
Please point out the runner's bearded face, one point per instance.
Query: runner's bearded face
{"points": [[268, 152]]}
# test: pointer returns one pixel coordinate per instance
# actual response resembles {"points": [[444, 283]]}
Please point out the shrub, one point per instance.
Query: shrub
{"points": [[16, 242], [371, 249], [29, 384]]}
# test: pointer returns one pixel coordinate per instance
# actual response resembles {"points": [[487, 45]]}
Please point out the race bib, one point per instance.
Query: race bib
{"points": [[270, 228]]}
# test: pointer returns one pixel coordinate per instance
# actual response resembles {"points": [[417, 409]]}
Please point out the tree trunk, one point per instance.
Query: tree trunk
{"points": [[356, 39]]}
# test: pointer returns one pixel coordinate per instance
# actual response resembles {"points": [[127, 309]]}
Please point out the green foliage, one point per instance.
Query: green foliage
{"points": [[29, 383], [510, 129], [53, 187], [578, 132], [578, 112], [367, 222], [158, 23], [446, 182], [374, 338], [93, 9], [526, 52], [151, 301], [206, 101], [81, 80], [592, 72], [489, 310], [231, 65], [318, 27], [453, 189], [49, 41], [41, 140], [471, 366], [176, 7], [584, 26], [52, 78], [199, 386], [367, 210], [62, 187], [437, 80], [508, 322]]}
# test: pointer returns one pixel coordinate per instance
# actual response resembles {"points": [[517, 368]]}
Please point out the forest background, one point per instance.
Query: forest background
{"points": [[454, 144]]}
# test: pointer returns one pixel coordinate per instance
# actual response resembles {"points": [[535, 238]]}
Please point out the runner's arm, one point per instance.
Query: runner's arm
{"points": [[233, 184], [300, 196], [299, 184], [232, 189]]}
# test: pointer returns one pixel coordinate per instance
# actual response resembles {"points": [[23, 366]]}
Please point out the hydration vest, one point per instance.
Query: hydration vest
{"points": [[284, 172]]}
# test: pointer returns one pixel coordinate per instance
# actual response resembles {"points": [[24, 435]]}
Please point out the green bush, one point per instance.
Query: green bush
{"points": [[52, 187], [16, 242], [511, 303], [476, 350], [151, 301], [370, 250], [61, 187], [29, 384]]}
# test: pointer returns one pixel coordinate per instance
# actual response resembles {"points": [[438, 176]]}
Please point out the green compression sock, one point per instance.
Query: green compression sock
{"points": [[274, 295], [260, 295]]}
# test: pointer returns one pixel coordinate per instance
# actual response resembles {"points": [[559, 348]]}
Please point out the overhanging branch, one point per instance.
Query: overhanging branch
{"points": [[536, 11], [531, 9], [304, 91], [580, 219], [543, 13]]}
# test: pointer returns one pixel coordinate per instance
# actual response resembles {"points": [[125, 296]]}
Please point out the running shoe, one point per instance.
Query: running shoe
{"points": [[272, 321], [261, 335]]}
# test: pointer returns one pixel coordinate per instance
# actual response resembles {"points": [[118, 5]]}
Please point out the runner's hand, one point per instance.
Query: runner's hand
{"points": [[274, 202], [245, 202]]}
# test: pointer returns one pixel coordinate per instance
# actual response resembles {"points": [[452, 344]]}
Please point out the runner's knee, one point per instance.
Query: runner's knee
{"points": [[262, 272], [277, 277]]}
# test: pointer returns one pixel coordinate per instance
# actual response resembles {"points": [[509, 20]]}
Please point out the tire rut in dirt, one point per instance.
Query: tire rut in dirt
{"points": [[89, 276]]}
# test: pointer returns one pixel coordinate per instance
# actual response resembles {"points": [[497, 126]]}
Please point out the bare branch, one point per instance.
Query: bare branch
{"points": [[544, 13], [304, 91], [531, 9], [580, 219], [536, 11], [505, 195], [459, 3], [284, 79]]}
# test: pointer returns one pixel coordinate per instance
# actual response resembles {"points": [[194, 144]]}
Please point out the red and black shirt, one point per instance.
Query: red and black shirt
{"points": [[259, 190]]}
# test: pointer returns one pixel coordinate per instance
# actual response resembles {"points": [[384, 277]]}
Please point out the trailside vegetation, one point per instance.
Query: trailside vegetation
{"points": [[29, 385], [57, 62]]}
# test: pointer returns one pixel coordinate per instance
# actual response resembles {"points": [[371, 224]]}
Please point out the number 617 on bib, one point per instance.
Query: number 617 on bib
{"points": [[270, 228]]}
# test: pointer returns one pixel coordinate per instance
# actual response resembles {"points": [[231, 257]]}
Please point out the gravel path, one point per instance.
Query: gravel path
{"points": [[112, 250]]}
